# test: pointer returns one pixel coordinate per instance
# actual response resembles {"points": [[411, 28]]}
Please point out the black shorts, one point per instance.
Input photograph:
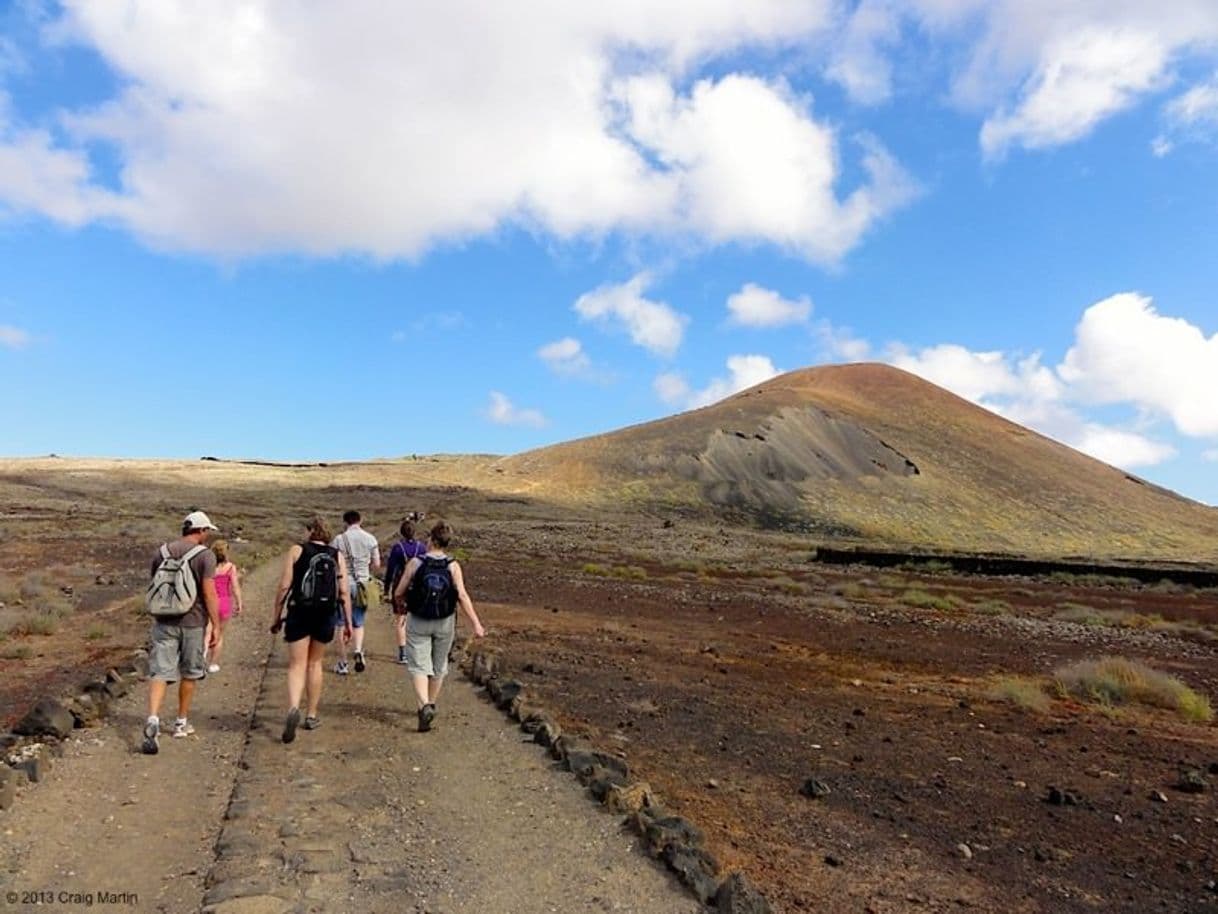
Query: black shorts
{"points": [[298, 626]]}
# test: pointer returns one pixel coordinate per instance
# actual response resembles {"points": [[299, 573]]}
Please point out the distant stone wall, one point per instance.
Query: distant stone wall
{"points": [[1197, 576]]}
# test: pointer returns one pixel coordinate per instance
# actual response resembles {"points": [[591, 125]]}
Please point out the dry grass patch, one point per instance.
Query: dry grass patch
{"points": [[991, 608], [1111, 681], [17, 652], [924, 600], [1021, 692]]}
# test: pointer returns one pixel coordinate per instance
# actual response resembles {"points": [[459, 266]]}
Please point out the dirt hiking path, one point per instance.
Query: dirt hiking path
{"points": [[362, 814]]}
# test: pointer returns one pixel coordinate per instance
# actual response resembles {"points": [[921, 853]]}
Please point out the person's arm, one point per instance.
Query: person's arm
{"points": [[237, 590], [399, 592], [344, 595], [211, 600], [285, 585], [395, 560], [374, 563], [463, 600]]}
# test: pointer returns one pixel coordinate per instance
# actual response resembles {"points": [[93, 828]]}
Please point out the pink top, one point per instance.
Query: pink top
{"points": [[224, 591]]}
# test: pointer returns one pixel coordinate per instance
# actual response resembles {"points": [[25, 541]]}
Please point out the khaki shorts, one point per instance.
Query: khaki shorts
{"points": [[176, 653], [428, 642]]}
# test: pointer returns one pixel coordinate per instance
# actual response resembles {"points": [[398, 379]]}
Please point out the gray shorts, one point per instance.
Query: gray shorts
{"points": [[176, 653], [428, 642]]}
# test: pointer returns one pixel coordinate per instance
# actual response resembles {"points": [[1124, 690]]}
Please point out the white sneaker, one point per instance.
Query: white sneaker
{"points": [[182, 729], [214, 668], [341, 668]]}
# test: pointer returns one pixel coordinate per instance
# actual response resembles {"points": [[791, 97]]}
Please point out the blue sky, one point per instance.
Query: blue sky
{"points": [[298, 232]]}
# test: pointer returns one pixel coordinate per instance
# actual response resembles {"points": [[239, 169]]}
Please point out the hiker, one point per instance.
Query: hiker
{"points": [[182, 601], [363, 555], [312, 590], [432, 587], [228, 595], [403, 551]]}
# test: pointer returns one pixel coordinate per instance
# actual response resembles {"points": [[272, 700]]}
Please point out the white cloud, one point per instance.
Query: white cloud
{"points": [[13, 337], [1082, 78], [1193, 115], [756, 306], [1210, 455], [858, 61], [1047, 72], [672, 388], [502, 411], [1161, 146], [745, 161], [565, 357], [840, 343], [1126, 352], [744, 371], [651, 324], [1199, 105], [365, 129], [1025, 391]]}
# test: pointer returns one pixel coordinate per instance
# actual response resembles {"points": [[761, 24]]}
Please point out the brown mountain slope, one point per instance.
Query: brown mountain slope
{"points": [[870, 452]]}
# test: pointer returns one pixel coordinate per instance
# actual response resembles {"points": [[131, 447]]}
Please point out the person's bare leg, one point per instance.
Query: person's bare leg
{"points": [[434, 684], [316, 658], [421, 689], [298, 658], [186, 694], [342, 645], [400, 622], [215, 654], [156, 695]]}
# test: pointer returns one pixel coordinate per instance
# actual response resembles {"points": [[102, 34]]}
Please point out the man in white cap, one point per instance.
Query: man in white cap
{"points": [[183, 578]]}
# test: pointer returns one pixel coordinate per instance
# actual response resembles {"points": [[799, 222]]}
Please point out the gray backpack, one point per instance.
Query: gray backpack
{"points": [[173, 590]]}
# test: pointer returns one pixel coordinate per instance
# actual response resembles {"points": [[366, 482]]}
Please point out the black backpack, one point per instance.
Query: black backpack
{"points": [[315, 589], [431, 593]]}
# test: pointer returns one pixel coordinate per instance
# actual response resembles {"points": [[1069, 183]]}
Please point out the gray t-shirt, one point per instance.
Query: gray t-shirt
{"points": [[361, 551], [204, 567]]}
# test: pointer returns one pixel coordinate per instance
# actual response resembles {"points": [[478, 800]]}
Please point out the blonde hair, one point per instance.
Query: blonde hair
{"points": [[220, 548]]}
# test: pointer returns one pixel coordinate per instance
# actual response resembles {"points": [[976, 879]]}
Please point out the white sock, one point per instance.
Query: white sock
{"points": [[153, 719], [181, 721]]}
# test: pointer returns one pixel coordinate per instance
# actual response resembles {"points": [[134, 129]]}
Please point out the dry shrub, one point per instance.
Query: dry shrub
{"points": [[1022, 692], [1112, 681], [924, 600]]}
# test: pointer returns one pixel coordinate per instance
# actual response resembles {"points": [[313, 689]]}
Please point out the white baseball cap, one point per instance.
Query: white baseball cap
{"points": [[197, 520]]}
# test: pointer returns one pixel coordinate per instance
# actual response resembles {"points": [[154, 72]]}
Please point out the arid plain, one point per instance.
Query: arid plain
{"points": [[658, 588]]}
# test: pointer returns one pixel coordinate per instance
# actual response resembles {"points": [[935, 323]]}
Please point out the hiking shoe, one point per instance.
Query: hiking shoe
{"points": [[402, 656], [312, 723], [214, 668], [182, 728], [360, 666], [152, 730], [427, 714], [290, 725], [341, 668]]}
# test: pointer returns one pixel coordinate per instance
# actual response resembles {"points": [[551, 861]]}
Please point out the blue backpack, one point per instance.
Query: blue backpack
{"points": [[432, 593]]}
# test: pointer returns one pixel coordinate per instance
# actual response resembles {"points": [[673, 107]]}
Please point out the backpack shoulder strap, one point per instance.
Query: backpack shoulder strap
{"points": [[192, 552], [165, 552]]}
